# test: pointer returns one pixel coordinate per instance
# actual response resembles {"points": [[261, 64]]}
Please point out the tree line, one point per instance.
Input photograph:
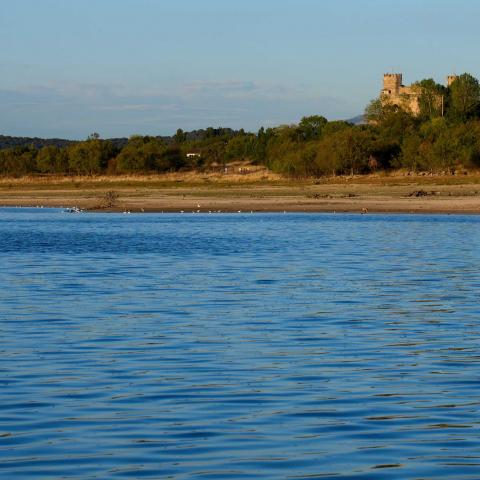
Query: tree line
{"points": [[442, 136]]}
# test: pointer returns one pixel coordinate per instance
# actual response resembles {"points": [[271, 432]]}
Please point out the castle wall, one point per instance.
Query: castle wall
{"points": [[395, 93]]}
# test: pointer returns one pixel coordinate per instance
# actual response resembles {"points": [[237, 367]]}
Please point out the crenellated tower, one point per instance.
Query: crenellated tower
{"points": [[392, 82], [451, 79], [395, 93]]}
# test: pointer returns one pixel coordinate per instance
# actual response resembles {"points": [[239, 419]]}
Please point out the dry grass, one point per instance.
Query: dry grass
{"points": [[256, 176]]}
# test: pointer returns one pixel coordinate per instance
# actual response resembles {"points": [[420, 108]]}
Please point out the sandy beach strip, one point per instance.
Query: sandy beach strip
{"points": [[161, 193]]}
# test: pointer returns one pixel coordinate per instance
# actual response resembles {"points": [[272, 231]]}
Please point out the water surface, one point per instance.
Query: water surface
{"points": [[239, 346]]}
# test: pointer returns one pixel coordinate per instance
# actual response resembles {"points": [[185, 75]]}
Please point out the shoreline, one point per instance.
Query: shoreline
{"points": [[452, 206], [264, 212], [176, 193]]}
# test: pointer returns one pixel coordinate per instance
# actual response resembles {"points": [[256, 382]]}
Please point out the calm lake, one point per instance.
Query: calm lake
{"points": [[237, 346]]}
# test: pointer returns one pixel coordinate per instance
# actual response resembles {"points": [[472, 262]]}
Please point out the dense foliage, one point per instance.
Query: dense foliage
{"points": [[443, 136]]}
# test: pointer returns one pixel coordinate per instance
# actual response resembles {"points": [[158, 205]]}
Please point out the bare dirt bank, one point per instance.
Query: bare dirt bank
{"points": [[266, 193]]}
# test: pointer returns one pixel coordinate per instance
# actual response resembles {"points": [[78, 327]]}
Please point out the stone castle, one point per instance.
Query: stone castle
{"points": [[395, 93]]}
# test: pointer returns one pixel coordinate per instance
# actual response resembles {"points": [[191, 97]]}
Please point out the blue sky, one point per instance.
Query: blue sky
{"points": [[120, 67]]}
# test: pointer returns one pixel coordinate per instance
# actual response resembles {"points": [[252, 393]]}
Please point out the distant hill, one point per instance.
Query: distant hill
{"points": [[10, 142], [358, 120], [7, 141]]}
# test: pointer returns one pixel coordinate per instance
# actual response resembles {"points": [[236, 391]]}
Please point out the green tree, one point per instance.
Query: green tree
{"points": [[336, 126], [432, 147], [18, 161], [310, 128], [172, 158], [374, 111], [240, 147], [464, 97], [51, 159], [180, 136], [346, 151], [431, 100], [140, 154], [260, 144], [410, 157], [89, 157]]}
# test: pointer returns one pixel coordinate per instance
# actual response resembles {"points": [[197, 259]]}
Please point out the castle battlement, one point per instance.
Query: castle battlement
{"points": [[392, 82]]}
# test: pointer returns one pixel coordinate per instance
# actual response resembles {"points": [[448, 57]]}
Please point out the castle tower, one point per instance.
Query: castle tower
{"points": [[451, 79], [392, 83]]}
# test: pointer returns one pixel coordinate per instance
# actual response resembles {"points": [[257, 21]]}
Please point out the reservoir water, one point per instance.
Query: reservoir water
{"points": [[236, 346]]}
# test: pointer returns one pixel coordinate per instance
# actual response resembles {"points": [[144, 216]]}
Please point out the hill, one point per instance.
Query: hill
{"points": [[7, 141], [358, 120]]}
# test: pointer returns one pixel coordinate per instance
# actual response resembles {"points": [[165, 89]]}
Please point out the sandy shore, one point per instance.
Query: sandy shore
{"points": [[227, 194]]}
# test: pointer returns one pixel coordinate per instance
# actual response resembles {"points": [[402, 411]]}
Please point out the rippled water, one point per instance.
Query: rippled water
{"points": [[239, 346]]}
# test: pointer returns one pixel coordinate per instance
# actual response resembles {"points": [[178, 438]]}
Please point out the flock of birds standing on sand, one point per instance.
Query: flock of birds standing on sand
{"points": [[76, 209]]}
